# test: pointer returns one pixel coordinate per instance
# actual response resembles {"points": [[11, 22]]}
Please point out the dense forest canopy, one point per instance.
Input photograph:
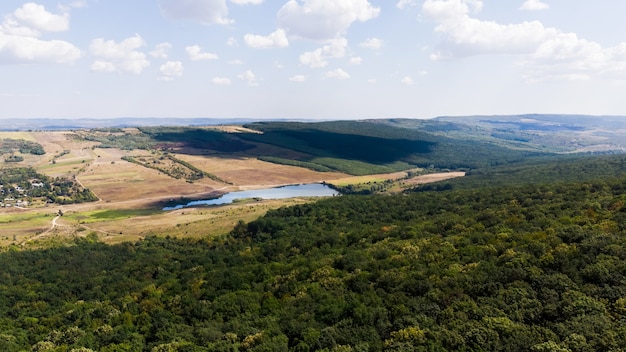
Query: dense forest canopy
{"points": [[512, 268]]}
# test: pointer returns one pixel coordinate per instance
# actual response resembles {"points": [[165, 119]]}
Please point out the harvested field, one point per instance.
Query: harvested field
{"points": [[418, 180], [249, 173], [351, 180], [27, 136]]}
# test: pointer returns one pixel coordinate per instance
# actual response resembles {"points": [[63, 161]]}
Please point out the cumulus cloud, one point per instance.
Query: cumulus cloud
{"points": [[248, 77], [37, 18], [298, 78], [171, 70], [356, 60], [103, 66], [318, 58], [534, 5], [543, 52], [372, 43], [195, 53], [122, 57], [323, 19], [161, 50], [403, 4], [20, 32], [203, 11], [337, 74], [407, 81], [18, 49], [276, 39], [221, 81]]}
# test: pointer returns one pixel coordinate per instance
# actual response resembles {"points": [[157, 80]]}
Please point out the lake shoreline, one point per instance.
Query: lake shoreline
{"points": [[280, 192]]}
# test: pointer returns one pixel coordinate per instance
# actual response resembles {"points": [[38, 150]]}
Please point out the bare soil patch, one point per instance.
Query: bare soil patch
{"points": [[418, 180]]}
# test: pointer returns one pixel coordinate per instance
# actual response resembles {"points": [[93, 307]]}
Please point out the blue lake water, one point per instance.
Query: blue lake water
{"points": [[305, 190]]}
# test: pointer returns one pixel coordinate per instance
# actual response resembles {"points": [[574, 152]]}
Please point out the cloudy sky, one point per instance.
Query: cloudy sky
{"points": [[327, 59]]}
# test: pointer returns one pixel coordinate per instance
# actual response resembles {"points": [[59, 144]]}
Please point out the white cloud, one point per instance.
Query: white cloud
{"points": [[221, 81], [246, 2], [102, 66], [203, 11], [19, 49], [356, 60], [407, 81], [543, 52], [534, 5], [372, 43], [235, 62], [232, 41], [195, 53], [323, 19], [466, 36], [79, 4], [403, 4], [19, 32], [337, 74], [161, 50], [276, 39], [318, 58], [298, 78], [171, 70], [372, 81], [248, 77], [36, 17], [122, 56]]}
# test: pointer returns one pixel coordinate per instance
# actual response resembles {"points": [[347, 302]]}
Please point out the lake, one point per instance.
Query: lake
{"points": [[304, 190]]}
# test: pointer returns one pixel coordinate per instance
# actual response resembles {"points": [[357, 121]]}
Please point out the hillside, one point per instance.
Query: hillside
{"points": [[356, 148], [517, 268], [539, 132]]}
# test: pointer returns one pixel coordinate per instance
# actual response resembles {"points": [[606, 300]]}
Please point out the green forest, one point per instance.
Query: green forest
{"points": [[528, 266]]}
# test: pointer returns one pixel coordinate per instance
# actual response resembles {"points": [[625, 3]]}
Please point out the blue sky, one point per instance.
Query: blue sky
{"points": [[326, 59]]}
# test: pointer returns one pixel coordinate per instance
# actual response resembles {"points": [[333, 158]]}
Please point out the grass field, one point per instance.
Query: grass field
{"points": [[27, 136], [18, 226]]}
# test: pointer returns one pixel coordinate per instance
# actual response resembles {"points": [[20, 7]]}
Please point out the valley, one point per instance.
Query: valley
{"points": [[449, 235], [132, 185]]}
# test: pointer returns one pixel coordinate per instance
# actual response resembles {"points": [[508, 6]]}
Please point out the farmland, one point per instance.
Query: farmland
{"points": [[134, 177]]}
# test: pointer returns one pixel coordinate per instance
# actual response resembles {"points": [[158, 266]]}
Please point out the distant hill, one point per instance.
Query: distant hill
{"points": [[551, 133], [68, 124], [353, 147]]}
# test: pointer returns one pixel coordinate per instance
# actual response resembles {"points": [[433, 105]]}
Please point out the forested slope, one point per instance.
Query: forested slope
{"points": [[516, 268], [362, 147]]}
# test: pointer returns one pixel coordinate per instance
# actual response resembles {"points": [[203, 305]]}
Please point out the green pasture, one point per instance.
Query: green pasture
{"points": [[110, 214], [33, 219]]}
